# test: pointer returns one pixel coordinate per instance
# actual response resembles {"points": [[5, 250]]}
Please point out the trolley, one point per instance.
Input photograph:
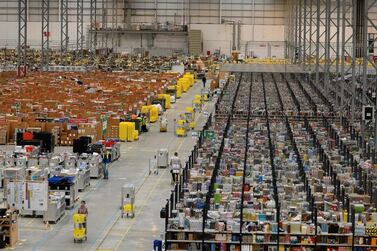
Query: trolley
{"points": [[153, 166], [163, 124], [197, 103], [190, 118], [79, 230], [128, 200], [181, 128]]}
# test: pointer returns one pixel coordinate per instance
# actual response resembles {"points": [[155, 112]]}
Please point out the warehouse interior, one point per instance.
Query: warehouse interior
{"points": [[230, 125]]}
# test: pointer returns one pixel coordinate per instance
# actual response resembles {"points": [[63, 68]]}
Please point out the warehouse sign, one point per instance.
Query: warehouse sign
{"points": [[77, 121], [368, 113], [208, 134], [104, 124]]}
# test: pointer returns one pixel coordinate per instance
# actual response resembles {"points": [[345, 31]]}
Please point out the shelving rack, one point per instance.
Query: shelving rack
{"points": [[309, 125]]}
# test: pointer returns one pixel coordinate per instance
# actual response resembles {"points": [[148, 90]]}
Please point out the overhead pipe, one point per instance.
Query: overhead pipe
{"points": [[182, 11], [155, 13], [253, 38], [239, 36], [188, 12], [234, 37], [220, 12]]}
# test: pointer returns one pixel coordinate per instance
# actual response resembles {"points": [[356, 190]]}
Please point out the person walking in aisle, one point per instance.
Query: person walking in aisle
{"points": [[204, 80], [175, 165], [106, 161]]}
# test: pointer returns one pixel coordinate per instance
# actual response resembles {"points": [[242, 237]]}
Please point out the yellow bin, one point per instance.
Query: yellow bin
{"points": [[145, 109], [184, 83], [153, 114], [123, 131], [190, 78], [126, 131], [178, 90], [166, 97], [79, 218]]}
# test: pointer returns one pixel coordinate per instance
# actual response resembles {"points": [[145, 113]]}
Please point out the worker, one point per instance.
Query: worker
{"points": [[106, 161], [83, 210], [175, 165], [204, 80], [144, 127]]}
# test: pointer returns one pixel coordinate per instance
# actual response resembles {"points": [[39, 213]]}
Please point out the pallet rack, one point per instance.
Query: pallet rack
{"points": [[237, 238]]}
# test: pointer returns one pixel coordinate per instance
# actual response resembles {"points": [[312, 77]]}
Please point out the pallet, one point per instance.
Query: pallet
{"points": [[31, 216], [57, 220], [128, 215], [70, 207], [80, 240], [82, 190]]}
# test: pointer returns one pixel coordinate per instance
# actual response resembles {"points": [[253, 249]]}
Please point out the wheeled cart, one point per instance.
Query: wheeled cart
{"points": [[181, 128], [162, 158], [128, 200], [153, 166], [79, 231], [96, 167], [163, 124]]}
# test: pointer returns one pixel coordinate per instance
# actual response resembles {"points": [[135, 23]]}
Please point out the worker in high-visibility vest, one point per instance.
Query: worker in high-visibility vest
{"points": [[144, 125]]}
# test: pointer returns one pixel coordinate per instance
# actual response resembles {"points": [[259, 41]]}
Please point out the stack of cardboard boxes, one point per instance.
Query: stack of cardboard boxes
{"points": [[59, 97]]}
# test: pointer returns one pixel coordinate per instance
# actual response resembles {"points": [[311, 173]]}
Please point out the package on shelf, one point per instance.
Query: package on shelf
{"points": [[3, 134], [93, 130], [67, 137]]}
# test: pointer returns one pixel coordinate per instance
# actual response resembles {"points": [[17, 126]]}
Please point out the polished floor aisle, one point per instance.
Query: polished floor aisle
{"points": [[106, 229]]}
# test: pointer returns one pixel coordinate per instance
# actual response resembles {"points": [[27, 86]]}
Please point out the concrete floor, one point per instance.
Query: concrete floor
{"points": [[106, 229]]}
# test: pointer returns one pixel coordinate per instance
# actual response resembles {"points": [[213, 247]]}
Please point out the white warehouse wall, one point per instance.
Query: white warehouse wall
{"points": [[215, 36], [219, 36]]}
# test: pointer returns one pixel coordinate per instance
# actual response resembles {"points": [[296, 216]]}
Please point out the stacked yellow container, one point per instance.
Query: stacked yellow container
{"points": [[185, 83], [153, 114], [152, 111], [167, 98], [127, 131], [190, 78]]}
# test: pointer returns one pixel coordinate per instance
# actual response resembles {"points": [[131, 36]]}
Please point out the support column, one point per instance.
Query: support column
{"points": [[80, 29], [22, 38], [320, 36], [347, 65], [299, 49], [93, 29], [326, 82], [64, 39], [105, 36], [114, 16], [305, 39], [296, 34], [363, 8], [312, 35], [337, 53], [45, 35], [354, 49], [372, 81]]}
